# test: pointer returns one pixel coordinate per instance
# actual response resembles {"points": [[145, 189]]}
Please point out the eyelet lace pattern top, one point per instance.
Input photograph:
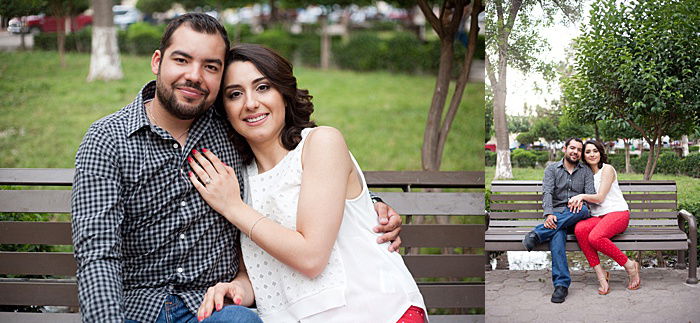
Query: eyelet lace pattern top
{"points": [[363, 281]]}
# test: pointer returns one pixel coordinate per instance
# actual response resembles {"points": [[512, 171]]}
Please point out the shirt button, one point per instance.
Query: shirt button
{"points": [[183, 203], [182, 236], [180, 270], [176, 145]]}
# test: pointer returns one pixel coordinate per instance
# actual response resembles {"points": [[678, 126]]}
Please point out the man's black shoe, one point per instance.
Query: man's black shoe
{"points": [[530, 240], [559, 294]]}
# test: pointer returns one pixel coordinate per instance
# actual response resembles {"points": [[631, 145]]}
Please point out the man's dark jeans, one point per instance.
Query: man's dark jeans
{"points": [[566, 221], [175, 311]]}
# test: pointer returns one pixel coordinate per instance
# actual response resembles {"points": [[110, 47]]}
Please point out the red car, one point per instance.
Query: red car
{"points": [[48, 24], [490, 147]]}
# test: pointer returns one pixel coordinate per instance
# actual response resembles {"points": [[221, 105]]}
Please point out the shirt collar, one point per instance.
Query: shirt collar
{"points": [[561, 164], [137, 111]]}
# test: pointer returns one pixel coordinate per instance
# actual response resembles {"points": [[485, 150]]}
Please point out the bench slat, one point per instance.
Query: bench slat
{"points": [[11, 317], [573, 246], [37, 176], [38, 263], [457, 295], [443, 235], [458, 266], [41, 292], [419, 203], [424, 179], [51, 233], [627, 196], [538, 206], [533, 223], [36, 201], [538, 215]]}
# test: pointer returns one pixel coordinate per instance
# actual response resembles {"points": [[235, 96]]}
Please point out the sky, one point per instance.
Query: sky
{"points": [[523, 88]]}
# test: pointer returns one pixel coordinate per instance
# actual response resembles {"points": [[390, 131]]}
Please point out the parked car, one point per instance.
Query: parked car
{"points": [[490, 147], [16, 26], [125, 16], [47, 24]]}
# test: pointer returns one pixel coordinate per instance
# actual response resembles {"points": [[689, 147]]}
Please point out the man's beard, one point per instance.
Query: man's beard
{"points": [[167, 99], [571, 160]]}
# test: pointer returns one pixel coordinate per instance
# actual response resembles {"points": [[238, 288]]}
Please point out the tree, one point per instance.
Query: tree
{"points": [[105, 63], [21, 8], [527, 138], [638, 62], [446, 24], [546, 128], [512, 40], [619, 129], [518, 123], [62, 9]]}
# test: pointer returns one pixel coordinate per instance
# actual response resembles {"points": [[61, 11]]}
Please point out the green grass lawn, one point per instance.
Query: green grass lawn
{"points": [[46, 110], [688, 187]]}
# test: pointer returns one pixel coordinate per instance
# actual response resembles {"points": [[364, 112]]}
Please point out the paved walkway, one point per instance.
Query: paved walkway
{"points": [[524, 296]]}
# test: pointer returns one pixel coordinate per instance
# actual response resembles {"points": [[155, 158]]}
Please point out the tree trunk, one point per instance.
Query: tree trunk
{"points": [[105, 63], [462, 81], [61, 39], [684, 145], [653, 157], [628, 165], [503, 166], [273, 12], [597, 132], [325, 43], [22, 44], [442, 86]]}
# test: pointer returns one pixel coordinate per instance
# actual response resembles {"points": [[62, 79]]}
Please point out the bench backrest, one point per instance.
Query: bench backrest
{"points": [[519, 203], [464, 236]]}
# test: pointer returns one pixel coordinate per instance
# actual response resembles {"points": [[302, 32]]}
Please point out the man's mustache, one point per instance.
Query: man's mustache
{"points": [[193, 85]]}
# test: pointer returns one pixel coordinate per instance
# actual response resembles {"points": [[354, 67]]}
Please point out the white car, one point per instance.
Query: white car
{"points": [[16, 26], [125, 16]]}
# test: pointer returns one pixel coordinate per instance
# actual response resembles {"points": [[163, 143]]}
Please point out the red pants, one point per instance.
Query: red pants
{"points": [[414, 314], [593, 235]]}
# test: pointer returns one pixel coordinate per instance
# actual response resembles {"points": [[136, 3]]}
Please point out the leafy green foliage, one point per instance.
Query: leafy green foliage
{"points": [[637, 61], [527, 138], [523, 158]]}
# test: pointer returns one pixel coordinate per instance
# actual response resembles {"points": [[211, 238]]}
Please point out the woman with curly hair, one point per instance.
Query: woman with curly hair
{"points": [[308, 246], [610, 215]]}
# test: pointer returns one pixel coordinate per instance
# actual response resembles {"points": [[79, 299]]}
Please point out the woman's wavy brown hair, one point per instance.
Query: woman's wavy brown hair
{"points": [[601, 150], [297, 102]]}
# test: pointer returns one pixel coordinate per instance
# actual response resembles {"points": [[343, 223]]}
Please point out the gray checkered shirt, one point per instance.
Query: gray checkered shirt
{"points": [[558, 186], [140, 229]]}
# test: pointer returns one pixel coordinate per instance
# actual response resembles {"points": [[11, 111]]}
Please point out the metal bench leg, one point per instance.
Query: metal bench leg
{"points": [[692, 246], [681, 259]]}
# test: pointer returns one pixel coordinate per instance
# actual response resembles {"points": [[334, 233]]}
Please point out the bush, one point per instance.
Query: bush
{"points": [[277, 40], [364, 52], [404, 51], [490, 158], [617, 161], [693, 149], [541, 156], [141, 39], [78, 41], [669, 163], [690, 165], [523, 158], [639, 163], [309, 49]]}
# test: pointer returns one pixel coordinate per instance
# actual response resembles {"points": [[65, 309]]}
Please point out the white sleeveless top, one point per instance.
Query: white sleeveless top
{"points": [[363, 281], [613, 202]]}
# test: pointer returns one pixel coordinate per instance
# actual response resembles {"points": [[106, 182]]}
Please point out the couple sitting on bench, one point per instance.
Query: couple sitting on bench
{"points": [[567, 186], [158, 211]]}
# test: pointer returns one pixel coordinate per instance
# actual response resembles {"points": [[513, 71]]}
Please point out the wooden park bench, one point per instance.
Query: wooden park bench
{"points": [[655, 223], [452, 283]]}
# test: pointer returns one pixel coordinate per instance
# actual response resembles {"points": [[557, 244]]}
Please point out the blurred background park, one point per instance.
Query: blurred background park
{"points": [[371, 66]]}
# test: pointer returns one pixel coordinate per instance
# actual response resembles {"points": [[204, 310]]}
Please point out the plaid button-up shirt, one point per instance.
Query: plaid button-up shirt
{"points": [[558, 185], [140, 229]]}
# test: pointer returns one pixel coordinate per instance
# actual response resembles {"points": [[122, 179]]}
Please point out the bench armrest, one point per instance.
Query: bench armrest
{"points": [[685, 216]]}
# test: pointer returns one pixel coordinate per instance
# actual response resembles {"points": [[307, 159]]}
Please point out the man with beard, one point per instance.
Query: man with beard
{"points": [[562, 181], [146, 244]]}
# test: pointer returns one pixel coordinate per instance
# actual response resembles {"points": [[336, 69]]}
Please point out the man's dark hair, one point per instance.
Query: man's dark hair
{"points": [[278, 70], [574, 139], [601, 150], [199, 22]]}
